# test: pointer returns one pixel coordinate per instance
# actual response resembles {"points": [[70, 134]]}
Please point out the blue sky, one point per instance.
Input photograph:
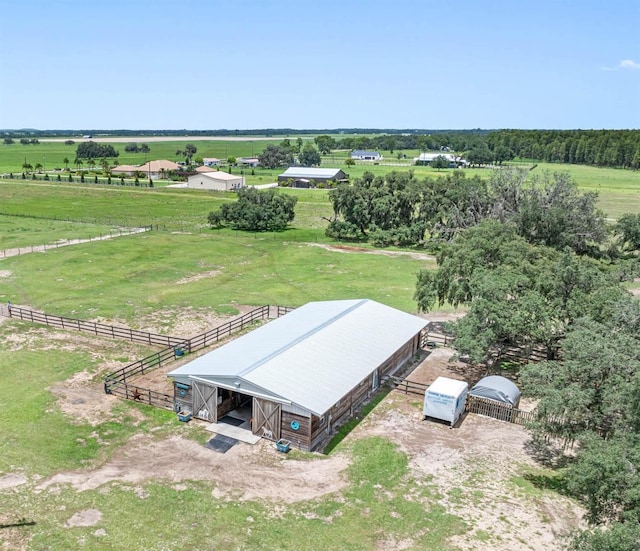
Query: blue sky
{"points": [[240, 64]]}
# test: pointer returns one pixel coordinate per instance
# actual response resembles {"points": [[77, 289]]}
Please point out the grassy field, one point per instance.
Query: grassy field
{"points": [[131, 278], [181, 268], [18, 231], [52, 154], [619, 189]]}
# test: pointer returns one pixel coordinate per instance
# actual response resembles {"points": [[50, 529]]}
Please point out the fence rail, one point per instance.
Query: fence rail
{"points": [[116, 382], [99, 329], [139, 394], [18, 251], [406, 386], [176, 351], [500, 411]]}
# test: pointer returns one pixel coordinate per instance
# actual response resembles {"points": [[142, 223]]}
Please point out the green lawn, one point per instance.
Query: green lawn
{"points": [[51, 154], [183, 266], [135, 275], [16, 231]]}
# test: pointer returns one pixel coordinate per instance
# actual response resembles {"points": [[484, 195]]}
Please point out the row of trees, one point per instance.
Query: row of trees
{"points": [[8, 140], [607, 148]]}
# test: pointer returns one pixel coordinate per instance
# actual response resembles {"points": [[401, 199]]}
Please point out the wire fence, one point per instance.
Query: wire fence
{"points": [[67, 242]]}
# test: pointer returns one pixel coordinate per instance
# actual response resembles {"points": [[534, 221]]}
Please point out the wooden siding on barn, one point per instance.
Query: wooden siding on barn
{"points": [[300, 438], [182, 397]]}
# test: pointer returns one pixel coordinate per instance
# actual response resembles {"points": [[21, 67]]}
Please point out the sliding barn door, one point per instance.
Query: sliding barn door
{"points": [[266, 418], [205, 401]]}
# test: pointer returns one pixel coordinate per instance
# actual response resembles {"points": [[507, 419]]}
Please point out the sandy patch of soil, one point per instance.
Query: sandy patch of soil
{"points": [[88, 517], [362, 250], [475, 467], [245, 472], [12, 480], [84, 400], [204, 275], [186, 322], [5, 273]]}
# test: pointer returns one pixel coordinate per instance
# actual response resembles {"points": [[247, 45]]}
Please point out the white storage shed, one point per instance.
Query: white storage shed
{"points": [[217, 180], [445, 399]]}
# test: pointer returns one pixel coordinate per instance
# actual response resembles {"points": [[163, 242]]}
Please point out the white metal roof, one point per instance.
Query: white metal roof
{"points": [[303, 172], [219, 175], [314, 355], [447, 387]]}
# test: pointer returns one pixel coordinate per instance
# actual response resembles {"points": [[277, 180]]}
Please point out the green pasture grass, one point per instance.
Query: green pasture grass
{"points": [[35, 436], [131, 207], [618, 189], [135, 275], [18, 231], [51, 154], [176, 209]]}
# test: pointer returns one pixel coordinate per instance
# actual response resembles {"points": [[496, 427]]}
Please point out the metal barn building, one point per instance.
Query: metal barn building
{"points": [[300, 176], [304, 373]]}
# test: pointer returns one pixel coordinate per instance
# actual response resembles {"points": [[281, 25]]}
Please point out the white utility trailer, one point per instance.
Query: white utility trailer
{"points": [[445, 400]]}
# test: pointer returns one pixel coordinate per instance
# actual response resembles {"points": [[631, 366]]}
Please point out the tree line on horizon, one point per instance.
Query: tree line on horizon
{"points": [[601, 148]]}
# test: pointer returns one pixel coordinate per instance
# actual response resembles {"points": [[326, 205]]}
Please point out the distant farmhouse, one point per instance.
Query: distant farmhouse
{"points": [[361, 155], [215, 180], [428, 158], [211, 161], [151, 169], [250, 162], [205, 168], [299, 176]]}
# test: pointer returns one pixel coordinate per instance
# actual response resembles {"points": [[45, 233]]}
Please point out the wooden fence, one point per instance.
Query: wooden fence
{"points": [[139, 394], [116, 382], [99, 329], [406, 386], [474, 404], [498, 410]]}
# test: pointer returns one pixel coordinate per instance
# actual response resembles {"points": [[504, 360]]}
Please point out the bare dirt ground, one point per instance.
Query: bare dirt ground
{"points": [[362, 250]]}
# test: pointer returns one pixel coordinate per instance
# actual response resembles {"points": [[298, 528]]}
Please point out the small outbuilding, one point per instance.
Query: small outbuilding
{"points": [[445, 400], [216, 180], [304, 374], [497, 388], [362, 155]]}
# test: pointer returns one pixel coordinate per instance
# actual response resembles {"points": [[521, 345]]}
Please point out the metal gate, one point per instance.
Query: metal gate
{"points": [[205, 401], [266, 418]]}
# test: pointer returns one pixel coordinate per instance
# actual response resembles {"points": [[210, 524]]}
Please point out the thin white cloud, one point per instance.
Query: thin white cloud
{"points": [[628, 64], [625, 64]]}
